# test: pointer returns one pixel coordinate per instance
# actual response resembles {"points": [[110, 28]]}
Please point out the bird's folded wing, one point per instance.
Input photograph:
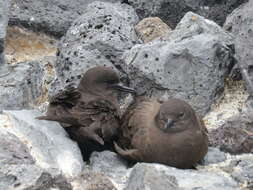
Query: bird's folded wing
{"points": [[60, 106], [67, 97], [99, 110]]}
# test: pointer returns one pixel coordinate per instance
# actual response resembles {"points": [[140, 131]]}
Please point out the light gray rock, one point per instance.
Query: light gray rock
{"points": [[214, 155], [148, 177], [4, 8], [236, 134], [53, 17], [21, 86], [191, 63], [98, 37], [143, 177], [243, 170], [110, 164], [240, 24], [18, 168], [171, 11], [238, 167], [19, 176], [48, 143]]}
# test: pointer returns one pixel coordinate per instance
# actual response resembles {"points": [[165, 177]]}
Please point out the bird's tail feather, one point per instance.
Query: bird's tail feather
{"points": [[46, 118]]}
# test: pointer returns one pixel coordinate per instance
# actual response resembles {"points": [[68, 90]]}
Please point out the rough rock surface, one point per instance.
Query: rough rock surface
{"points": [[242, 170], [214, 155], [147, 177], [236, 135], [89, 180], [110, 164], [151, 28], [171, 11], [191, 64], [21, 86], [52, 17], [48, 143], [238, 167], [98, 37], [18, 168], [240, 24], [160, 177], [4, 6]]}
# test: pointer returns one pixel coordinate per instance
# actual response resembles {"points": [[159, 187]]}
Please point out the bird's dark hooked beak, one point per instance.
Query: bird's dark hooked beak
{"points": [[123, 88], [169, 124]]}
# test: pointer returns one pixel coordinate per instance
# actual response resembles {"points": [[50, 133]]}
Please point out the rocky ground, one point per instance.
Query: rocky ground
{"points": [[200, 51]]}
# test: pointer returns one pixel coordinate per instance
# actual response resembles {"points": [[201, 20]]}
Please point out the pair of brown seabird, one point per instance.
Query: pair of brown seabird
{"points": [[150, 131]]}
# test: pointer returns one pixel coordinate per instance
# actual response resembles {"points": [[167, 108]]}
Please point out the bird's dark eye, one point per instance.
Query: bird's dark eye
{"points": [[181, 115]]}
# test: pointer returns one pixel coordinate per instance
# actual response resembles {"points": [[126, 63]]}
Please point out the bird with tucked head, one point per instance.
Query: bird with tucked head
{"points": [[89, 112], [162, 132]]}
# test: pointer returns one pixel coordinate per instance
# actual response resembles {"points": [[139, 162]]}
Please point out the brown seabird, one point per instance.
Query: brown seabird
{"points": [[162, 132]]}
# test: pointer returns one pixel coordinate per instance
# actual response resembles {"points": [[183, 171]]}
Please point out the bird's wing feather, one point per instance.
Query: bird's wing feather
{"points": [[100, 110], [130, 121], [67, 97], [60, 105]]}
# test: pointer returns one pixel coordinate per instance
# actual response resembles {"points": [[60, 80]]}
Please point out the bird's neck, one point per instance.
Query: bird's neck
{"points": [[98, 93]]}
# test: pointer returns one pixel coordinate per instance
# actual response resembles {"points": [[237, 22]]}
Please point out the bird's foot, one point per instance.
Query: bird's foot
{"points": [[130, 154], [91, 132]]}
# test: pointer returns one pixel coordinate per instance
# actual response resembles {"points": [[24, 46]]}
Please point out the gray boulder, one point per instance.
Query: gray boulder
{"points": [[242, 171], [21, 86], [112, 165], [172, 11], [52, 17], [237, 167], [240, 24], [214, 155], [90, 180], [49, 145], [236, 135], [18, 168], [160, 177], [4, 7], [191, 63], [148, 177], [98, 37]]}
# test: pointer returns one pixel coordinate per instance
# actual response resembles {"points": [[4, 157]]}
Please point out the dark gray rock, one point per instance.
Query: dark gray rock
{"points": [[49, 145], [47, 181], [171, 11], [21, 86], [155, 176], [98, 37], [13, 151], [190, 64], [4, 7], [110, 164], [236, 135], [53, 17], [90, 180], [240, 24]]}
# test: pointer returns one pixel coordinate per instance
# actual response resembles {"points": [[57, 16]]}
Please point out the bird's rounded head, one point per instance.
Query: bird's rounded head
{"points": [[102, 80], [176, 115]]}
